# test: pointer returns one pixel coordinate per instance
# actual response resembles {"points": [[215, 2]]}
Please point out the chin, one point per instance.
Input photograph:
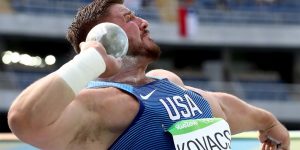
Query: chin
{"points": [[153, 51], [152, 44]]}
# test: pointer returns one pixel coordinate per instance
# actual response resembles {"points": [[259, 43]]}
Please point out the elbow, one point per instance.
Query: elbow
{"points": [[21, 128], [15, 120], [17, 123]]}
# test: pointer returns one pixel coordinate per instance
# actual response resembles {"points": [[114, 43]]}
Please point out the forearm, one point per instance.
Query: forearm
{"points": [[242, 117], [262, 119], [41, 103]]}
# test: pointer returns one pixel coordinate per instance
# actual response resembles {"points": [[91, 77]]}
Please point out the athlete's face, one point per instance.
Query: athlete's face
{"points": [[140, 43]]}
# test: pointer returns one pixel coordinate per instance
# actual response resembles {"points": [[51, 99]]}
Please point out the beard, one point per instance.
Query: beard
{"points": [[147, 49]]}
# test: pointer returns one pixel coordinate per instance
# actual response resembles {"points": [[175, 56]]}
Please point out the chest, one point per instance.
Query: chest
{"points": [[159, 109], [142, 117], [171, 104]]}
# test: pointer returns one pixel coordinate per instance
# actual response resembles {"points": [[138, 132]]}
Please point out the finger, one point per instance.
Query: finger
{"points": [[272, 145], [264, 145], [263, 137], [82, 45], [268, 145]]}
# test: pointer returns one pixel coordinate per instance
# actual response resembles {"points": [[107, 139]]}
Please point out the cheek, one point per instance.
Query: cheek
{"points": [[134, 44], [134, 38], [132, 30]]}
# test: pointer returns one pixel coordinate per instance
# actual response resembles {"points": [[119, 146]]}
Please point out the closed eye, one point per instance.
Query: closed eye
{"points": [[129, 16]]}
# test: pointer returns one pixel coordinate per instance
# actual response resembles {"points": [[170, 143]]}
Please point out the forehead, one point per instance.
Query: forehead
{"points": [[118, 9]]}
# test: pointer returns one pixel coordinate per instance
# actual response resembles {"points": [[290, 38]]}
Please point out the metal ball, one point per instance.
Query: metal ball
{"points": [[112, 37]]}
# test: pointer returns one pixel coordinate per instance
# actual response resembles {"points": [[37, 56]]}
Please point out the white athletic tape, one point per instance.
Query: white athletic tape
{"points": [[83, 68]]}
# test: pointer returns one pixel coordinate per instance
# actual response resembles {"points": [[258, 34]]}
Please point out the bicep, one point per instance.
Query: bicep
{"points": [[240, 115]]}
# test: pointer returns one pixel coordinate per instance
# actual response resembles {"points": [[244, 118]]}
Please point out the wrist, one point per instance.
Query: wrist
{"points": [[266, 121], [269, 127], [83, 68]]}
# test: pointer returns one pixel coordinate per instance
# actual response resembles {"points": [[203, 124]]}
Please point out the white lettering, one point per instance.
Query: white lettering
{"points": [[177, 103], [186, 125], [185, 113], [176, 116], [192, 105]]}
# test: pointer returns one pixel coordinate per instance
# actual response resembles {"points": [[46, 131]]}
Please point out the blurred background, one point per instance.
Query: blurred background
{"points": [[250, 48]]}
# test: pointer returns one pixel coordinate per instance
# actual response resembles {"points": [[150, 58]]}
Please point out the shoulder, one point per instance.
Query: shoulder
{"points": [[214, 99], [171, 76]]}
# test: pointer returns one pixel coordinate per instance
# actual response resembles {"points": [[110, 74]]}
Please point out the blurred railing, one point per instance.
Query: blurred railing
{"points": [[252, 90]]}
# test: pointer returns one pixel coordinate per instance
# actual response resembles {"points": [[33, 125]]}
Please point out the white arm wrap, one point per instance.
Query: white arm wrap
{"points": [[84, 67]]}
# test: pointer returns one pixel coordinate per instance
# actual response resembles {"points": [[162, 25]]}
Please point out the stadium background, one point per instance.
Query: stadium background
{"points": [[250, 48]]}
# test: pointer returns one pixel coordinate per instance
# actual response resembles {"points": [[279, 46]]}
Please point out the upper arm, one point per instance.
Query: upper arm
{"points": [[236, 111], [242, 116]]}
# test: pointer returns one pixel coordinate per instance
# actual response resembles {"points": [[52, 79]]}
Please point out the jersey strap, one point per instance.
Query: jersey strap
{"points": [[99, 84]]}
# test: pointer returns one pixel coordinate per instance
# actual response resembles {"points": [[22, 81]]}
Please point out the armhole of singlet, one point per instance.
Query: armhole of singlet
{"points": [[126, 88]]}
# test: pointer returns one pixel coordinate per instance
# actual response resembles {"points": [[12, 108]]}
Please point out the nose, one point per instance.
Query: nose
{"points": [[143, 24]]}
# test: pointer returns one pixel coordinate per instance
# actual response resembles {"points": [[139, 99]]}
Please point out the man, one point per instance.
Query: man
{"points": [[124, 108]]}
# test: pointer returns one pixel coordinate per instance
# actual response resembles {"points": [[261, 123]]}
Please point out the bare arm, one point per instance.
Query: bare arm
{"points": [[242, 117], [39, 105], [36, 112]]}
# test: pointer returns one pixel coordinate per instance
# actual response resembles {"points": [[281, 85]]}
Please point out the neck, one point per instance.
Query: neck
{"points": [[132, 72]]}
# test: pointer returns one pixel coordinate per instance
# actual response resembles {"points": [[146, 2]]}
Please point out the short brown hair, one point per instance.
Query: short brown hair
{"points": [[86, 18]]}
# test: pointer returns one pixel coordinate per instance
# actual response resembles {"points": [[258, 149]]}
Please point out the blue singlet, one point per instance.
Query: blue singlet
{"points": [[162, 103]]}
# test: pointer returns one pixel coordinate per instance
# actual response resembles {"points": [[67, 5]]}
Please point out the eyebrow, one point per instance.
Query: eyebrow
{"points": [[129, 12]]}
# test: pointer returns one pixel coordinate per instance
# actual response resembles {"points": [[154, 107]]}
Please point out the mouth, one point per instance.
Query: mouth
{"points": [[145, 33]]}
